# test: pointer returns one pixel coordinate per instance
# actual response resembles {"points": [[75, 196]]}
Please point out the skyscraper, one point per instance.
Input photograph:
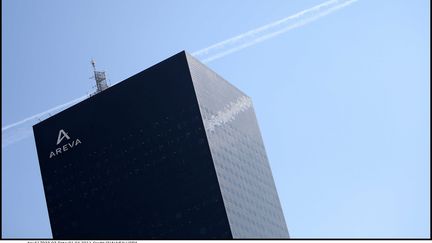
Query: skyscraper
{"points": [[172, 152]]}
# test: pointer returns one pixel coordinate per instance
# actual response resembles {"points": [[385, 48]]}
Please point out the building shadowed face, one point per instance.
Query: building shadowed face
{"points": [[139, 160]]}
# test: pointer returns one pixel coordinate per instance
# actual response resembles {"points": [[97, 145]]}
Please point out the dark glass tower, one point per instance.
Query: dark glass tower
{"points": [[172, 152]]}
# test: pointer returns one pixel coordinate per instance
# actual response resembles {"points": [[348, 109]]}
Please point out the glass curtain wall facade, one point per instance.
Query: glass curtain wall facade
{"points": [[173, 152], [238, 153]]}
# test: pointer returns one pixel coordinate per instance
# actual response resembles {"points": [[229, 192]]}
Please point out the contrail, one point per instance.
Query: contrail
{"points": [[43, 113], [269, 31], [215, 51], [15, 135], [21, 132]]}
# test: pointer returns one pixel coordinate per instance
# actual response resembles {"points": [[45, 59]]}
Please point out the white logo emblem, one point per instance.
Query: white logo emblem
{"points": [[65, 147], [61, 136]]}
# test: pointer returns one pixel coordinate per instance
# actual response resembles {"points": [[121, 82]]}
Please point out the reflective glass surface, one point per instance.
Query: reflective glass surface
{"points": [[240, 160], [143, 167]]}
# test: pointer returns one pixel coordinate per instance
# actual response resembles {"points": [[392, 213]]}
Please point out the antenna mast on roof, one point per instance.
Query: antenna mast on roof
{"points": [[100, 79]]}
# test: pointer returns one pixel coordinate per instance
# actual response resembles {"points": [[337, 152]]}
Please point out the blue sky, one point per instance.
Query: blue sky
{"points": [[343, 102]]}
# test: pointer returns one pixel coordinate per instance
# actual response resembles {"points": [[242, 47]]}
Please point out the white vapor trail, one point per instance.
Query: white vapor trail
{"points": [[208, 54], [269, 31], [43, 113], [20, 130]]}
